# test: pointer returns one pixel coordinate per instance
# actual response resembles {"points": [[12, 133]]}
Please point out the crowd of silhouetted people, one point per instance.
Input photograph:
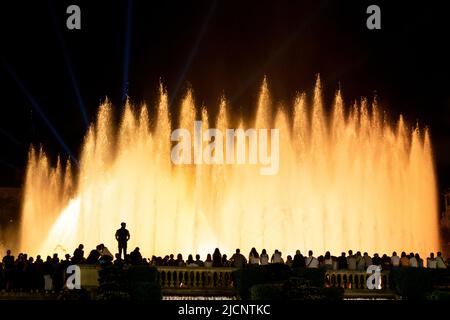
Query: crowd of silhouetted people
{"points": [[24, 273], [348, 261]]}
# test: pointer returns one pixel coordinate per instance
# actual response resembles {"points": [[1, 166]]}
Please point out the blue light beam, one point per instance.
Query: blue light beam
{"points": [[193, 52], [68, 63], [41, 113]]}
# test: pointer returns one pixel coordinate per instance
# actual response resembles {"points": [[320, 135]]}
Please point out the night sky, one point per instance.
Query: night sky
{"points": [[215, 47]]}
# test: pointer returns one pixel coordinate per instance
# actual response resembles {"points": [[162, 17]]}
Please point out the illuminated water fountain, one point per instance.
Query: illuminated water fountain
{"points": [[344, 182]]}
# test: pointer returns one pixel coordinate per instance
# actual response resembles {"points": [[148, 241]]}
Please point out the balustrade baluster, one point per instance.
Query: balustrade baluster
{"points": [[162, 276]]}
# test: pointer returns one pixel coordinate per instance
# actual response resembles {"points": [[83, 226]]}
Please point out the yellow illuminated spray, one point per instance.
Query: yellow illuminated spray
{"points": [[344, 182]]}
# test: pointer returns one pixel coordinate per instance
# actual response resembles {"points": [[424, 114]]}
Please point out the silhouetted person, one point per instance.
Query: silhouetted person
{"points": [[217, 258], [66, 262], [47, 271], [118, 262], [311, 261], [171, 262], [93, 256], [367, 260], [419, 260], [264, 258], [106, 256], [404, 260], [238, 260], [376, 260], [431, 262], [39, 268], [135, 256], [199, 262], [351, 261], [122, 236], [440, 263], [395, 260], [225, 261], [253, 257], [19, 271], [342, 261], [321, 261], [30, 275], [327, 261], [190, 261], [208, 262], [8, 264], [386, 262], [299, 260], [57, 275], [412, 260], [360, 262], [180, 261], [289, 261], [78, 255], [276, 257]]}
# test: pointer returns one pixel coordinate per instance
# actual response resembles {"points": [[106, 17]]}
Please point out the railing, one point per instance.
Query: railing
{"points": [[352, 279], [185, 280], [355, 283], [219, 281]]}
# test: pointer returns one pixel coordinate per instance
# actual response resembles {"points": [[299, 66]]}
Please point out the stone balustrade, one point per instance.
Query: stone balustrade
{"points": [[219, 281], [196, 280], [353, 280]]}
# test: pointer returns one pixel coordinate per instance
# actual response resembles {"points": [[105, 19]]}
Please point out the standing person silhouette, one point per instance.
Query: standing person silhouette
{"points": [[122, 236]]}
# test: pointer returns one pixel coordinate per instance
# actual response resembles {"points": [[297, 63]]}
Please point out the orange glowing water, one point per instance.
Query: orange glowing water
{"points": [[346, 182]]}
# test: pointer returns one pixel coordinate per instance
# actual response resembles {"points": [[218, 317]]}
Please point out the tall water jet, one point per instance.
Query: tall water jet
{"points": [[344, 182]]}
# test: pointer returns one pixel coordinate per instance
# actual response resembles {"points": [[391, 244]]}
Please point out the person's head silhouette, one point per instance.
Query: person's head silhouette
{"points": [[123, 225]]}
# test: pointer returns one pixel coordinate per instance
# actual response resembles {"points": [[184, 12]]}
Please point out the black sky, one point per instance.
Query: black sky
{"points": [[215, 47]]}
